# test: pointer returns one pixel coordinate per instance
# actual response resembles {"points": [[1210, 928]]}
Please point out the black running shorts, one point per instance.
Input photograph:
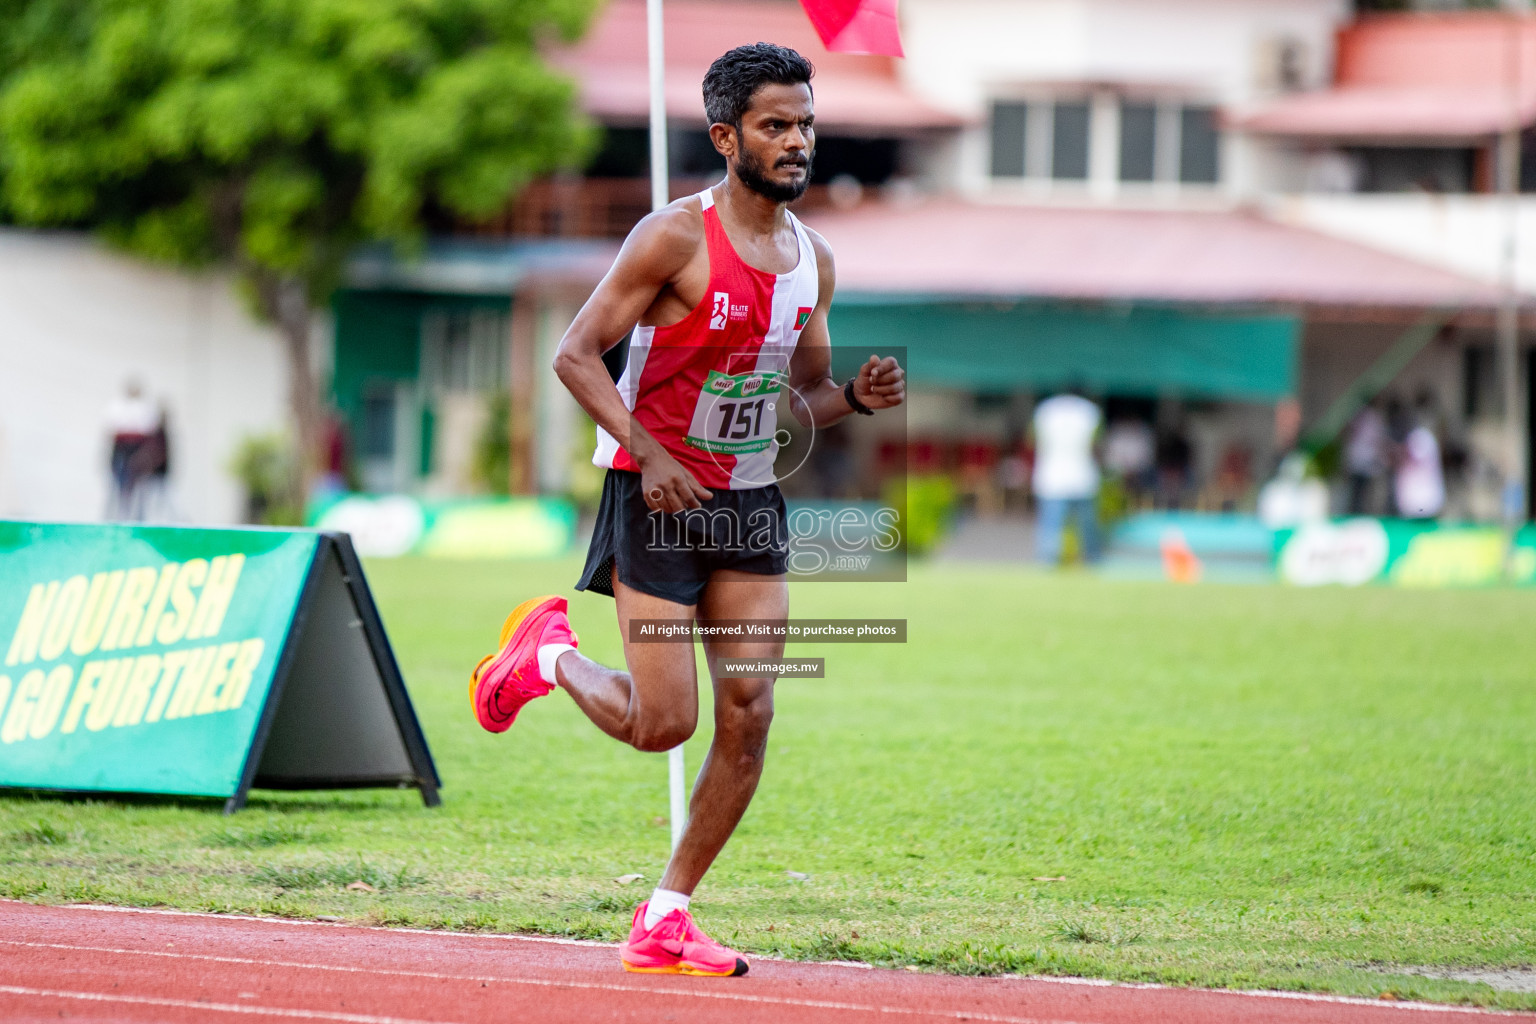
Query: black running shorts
{"points": [[671, 554]]}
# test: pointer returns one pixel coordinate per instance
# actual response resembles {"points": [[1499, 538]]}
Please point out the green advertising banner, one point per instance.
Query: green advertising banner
{"points": [[152, 660], [1404, 553]]}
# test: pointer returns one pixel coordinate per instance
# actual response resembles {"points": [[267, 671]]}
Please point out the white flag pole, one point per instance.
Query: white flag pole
{"points": [[660, 196], [658, 66]]}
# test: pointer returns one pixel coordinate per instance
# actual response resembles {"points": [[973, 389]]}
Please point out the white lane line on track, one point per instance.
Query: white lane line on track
{"points": [[1270, 993], [552, 940], [598, 986], [1314, 997], [190, 1004]]}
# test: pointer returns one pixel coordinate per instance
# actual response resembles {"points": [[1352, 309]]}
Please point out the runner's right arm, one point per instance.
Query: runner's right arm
{"points": [[654, 256]]}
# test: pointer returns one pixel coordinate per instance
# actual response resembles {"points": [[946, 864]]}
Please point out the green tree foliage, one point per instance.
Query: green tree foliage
{"points": [[276, 135]]}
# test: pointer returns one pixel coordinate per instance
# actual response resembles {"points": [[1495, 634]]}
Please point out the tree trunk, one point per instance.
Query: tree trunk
{"points": [[286, 302]]}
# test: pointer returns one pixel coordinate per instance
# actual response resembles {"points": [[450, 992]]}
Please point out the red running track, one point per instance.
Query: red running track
{"points": [[105, 964]]}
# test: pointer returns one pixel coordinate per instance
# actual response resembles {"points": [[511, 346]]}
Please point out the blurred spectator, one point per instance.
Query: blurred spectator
{"points": [[1367, 455], [977, 474], [337, 448], [1294, 496], [1287, 428], [1130, 452], [1066, 478], [134, 423], [1174, 459], [1015, 469], [1420, 481], [1234, 476], [152, 466]]}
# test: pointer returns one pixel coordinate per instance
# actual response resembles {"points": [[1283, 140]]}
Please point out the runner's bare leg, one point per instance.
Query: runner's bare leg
{"points": [[655, 705], [743, 712]]}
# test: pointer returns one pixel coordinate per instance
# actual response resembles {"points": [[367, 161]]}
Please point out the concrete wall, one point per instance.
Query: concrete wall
{"points": [[1464, 233], [76, 321]]}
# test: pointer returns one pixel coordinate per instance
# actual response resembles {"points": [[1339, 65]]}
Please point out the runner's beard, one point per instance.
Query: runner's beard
{"points": [[750, 172]]}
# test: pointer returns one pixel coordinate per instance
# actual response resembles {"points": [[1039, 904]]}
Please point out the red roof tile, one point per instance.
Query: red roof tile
{"points": [[1392, 113], [948, 247], [1463, 50], [1417, 76]]}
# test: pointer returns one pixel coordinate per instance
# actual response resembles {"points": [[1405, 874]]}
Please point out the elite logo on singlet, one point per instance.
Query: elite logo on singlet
{"points": [[723, 310]]}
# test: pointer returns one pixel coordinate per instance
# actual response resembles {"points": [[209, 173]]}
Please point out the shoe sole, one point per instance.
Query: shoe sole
{"points": [[689, 969], [508, 631]]}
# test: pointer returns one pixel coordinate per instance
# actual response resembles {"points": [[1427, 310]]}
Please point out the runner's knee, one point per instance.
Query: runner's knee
{"points": [[654, 737], [747, 720]]}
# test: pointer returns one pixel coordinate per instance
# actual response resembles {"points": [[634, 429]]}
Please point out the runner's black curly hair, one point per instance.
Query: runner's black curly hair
{"points": [[736, 76]]}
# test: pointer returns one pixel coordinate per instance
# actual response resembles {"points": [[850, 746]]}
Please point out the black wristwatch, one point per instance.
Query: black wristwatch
{"points": [[853, 403]]}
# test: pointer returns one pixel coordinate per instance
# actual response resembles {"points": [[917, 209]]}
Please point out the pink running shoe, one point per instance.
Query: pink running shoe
{"points": [[503, 682], [676, 946]]}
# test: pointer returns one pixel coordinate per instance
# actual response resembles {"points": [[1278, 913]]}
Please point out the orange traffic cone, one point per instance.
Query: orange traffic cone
{"points": [[1180, 564]]}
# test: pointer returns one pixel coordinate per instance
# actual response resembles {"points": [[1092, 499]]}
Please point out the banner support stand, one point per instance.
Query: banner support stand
{"points": [[337, 549], [279, 681]]}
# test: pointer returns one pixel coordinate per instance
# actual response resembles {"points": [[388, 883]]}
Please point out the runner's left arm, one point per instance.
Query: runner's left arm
{"points": [[817, 399]]}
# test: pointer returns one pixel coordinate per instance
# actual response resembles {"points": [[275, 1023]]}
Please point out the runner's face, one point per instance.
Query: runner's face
{"points": [[776, 142]]}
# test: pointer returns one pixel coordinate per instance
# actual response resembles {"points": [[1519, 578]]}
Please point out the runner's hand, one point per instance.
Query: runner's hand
{"points": [[668, 487], [881, 383]]}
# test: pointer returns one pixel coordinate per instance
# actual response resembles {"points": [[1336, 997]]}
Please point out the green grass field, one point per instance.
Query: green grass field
{"points": [[1235, 786]]}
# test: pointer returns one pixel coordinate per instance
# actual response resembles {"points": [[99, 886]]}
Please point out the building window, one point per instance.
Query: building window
{"points": [[693, 154], [1480, 398], [378, 422], [1138, 141], [1069, 141], [624, 153], [464, 350], [1198, 146], [1416, 169], [1008, 123], [1156, 141]]}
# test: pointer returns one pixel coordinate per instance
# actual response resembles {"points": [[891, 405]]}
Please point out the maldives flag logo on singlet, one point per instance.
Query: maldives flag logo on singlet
{"points": [[803, 317]]}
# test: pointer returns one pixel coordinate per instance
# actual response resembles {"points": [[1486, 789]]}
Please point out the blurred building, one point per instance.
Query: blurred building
{"points": [[1197, 208], [420, 346], [1166, 201], [1401, 149]]}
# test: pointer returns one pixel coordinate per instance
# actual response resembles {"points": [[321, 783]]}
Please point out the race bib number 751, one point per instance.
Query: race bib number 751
{"points": [[736, 413]]}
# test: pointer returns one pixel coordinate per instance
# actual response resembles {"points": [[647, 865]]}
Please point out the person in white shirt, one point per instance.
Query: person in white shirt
{"points": [[1420, 479], [1130, 454], [1367, 449], [1066, 477], [134, 424]]}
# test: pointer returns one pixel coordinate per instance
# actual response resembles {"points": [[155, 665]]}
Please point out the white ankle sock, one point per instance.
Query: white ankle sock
{"points": [[663, 902], [548, 655]]}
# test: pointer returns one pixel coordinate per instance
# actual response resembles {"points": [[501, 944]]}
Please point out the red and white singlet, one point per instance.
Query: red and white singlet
{"points": [[709, 387]]}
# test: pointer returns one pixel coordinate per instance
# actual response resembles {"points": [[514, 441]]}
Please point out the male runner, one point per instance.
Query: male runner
{"points": [[727, 294]]}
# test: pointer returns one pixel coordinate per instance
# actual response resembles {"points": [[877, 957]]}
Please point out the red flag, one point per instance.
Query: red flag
{"points": [[856, 26]]}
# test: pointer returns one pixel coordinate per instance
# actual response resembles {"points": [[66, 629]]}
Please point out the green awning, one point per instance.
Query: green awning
{"points": [[1118, 349]]}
